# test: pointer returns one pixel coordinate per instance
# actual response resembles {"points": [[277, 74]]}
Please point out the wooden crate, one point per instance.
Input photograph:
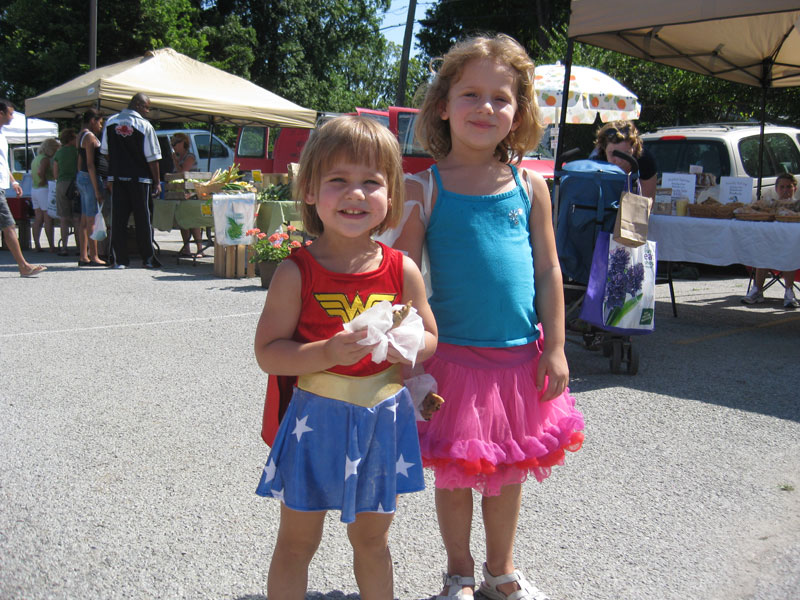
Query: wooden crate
{"points": [[183, 190], [231, 262]]}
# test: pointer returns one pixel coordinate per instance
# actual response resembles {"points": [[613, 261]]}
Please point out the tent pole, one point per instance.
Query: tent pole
{"points": [[761, 141], [561, 123], [210, 138], [565, 92]]}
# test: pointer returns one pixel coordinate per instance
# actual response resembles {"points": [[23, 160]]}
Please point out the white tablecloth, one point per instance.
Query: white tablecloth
{"points": [[770, 245]]}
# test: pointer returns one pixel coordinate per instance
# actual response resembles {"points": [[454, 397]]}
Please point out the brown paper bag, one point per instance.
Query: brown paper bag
{"points": [[633, 215]]}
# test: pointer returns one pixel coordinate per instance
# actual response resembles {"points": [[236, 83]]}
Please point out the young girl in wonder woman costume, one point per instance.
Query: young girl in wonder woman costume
{"points": [[498, 302], [348, 440]]}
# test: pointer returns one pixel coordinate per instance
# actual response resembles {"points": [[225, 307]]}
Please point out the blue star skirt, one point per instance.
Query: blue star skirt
{"points": [[332, 455]]}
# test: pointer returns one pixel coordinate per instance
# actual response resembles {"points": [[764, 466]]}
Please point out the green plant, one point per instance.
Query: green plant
{"points": [[275, 192], [275, 247]]}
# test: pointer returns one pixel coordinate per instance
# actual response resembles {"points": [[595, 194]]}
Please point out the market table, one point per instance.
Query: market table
{"points": [[274, 213], [186, 214], [722, 242]]}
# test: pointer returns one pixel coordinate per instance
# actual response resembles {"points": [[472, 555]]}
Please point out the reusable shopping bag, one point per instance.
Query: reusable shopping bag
{"points": [[99, 231], [630, 228], [620, 297], [234, 215], [52, 205]]}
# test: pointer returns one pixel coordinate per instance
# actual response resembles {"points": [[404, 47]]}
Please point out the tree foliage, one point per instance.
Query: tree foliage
{"points": [[324, 54]]}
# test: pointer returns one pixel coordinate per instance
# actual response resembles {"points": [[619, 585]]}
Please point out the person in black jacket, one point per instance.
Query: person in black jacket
{"points": [[133, 152]]}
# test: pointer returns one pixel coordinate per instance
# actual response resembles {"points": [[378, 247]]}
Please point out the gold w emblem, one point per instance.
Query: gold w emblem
{"points": [[337, 305]]}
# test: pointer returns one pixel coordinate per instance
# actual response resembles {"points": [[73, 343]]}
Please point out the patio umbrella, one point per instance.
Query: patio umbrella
{"points": [[591, 93]]}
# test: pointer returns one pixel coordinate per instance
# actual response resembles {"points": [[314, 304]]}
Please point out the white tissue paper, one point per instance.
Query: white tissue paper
{"points": [[408, 338]]}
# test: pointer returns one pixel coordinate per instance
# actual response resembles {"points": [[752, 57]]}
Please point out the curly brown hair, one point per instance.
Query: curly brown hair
{"points": [[615, 132], [434, 133], [359, 140]]}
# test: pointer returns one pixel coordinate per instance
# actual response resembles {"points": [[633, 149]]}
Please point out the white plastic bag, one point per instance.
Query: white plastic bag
{"points": [[99, 232]]}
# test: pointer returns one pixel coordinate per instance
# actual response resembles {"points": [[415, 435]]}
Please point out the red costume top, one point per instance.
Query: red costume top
{"points": [[329, 300]]}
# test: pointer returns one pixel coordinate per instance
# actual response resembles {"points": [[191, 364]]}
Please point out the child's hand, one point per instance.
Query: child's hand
{"points": [[553, 365], [393, 356], [343, 348]]}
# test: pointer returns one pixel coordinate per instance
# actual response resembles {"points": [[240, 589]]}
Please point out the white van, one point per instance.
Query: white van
{"points": [[727, 149], [221, 154]]}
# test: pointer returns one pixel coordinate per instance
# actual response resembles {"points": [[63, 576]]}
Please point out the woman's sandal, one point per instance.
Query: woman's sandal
{"points": [[527, 590], [454, 584]]}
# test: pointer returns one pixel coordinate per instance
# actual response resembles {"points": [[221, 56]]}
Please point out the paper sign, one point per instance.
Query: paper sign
{"points": [[682, 184], [736, 189], [695, 169]]}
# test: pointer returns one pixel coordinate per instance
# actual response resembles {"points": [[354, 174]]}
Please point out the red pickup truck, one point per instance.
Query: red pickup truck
{"points": [[253, 143]]}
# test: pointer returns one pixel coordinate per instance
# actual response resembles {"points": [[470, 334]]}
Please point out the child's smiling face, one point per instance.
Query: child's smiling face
{"points": [[482, 104], [352, 200]]}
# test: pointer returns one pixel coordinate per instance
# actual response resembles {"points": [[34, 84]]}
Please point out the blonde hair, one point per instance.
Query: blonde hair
{"points": [[49, 147], [359, 140], [434, 133], [615, 132]]}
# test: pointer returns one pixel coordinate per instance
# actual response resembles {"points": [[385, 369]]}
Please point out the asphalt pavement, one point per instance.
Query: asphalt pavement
{"points": [[130, 410]]}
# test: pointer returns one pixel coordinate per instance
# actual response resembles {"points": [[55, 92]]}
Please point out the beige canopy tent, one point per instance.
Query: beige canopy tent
{"points": [[180, 89], [755, 42]]}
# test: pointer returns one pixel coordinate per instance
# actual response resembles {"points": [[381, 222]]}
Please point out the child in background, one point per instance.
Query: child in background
{"points": [[348, 440], [495, 275]]}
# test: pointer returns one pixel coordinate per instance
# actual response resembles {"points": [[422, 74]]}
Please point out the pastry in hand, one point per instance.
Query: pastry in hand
{"points": [[399, 315], [430, 405]]}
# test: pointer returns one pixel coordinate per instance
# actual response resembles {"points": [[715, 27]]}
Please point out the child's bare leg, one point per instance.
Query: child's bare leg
{"points": [[500, 515], [454, 512], [372, 562], [299, 535]]}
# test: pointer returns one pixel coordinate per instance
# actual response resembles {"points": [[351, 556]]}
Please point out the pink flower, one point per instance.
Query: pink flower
{"points": [[291, 228], [275, 237], [260, 235], [294, 244]]}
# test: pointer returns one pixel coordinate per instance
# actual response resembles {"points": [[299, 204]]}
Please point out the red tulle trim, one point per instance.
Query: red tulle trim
{"points": [[484, 467]]}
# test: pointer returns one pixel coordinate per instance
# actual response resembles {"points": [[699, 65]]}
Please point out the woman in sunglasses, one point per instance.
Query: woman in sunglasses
{"points": [[183, 160], [623, 136]]}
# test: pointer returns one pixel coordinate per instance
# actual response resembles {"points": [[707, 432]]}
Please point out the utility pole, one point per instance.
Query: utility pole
{"points": [[92, 35], [401, 84]]}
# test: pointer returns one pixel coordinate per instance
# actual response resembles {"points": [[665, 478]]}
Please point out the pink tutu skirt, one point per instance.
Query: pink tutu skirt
{"points": [[492, 430]]}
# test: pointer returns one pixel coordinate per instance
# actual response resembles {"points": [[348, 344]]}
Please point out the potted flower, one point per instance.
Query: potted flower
{"points": [[268, 251]]}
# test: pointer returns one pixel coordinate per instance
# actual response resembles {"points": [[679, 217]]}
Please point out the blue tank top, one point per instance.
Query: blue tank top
{"points": [[482, 268]]}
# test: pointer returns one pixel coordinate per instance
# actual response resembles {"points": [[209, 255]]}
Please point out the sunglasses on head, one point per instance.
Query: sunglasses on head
{"points": [[615, 135]]}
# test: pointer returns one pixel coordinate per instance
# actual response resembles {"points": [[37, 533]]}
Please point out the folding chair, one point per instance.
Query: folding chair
{"points": [[773, 277]]}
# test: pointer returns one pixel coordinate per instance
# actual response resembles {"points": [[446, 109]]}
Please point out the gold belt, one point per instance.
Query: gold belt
{"points": [[362, 391]]}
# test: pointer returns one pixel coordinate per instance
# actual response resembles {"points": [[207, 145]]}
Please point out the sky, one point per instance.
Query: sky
{"points": [[393, 26]]}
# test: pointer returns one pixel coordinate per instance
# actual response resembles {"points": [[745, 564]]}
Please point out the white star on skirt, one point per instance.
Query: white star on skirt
{"points": [[351, 467], [402, 466], [269, 470], [300, 427]]}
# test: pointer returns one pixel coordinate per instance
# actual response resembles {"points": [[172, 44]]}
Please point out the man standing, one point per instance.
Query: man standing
{"points": [[133, 154], [7, 223]]}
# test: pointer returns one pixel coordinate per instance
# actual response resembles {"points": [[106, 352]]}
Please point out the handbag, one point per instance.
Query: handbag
{"points": [[633, 215], [620, 296], [99, 232]]}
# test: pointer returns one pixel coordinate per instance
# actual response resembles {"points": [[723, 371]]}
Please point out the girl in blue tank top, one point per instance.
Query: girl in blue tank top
{"points": [[498, 301]]}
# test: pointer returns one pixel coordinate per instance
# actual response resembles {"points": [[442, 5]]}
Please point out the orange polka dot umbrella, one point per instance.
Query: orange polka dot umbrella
{"points": [[591, 93]]}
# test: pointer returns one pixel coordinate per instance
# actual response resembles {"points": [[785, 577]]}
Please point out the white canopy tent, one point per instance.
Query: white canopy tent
{"points": [[755, 43], [180, 89], [37, 130]]}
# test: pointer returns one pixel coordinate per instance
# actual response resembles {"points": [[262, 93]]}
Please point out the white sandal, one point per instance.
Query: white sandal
{"points": [[454, 584], [527, 590]]}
